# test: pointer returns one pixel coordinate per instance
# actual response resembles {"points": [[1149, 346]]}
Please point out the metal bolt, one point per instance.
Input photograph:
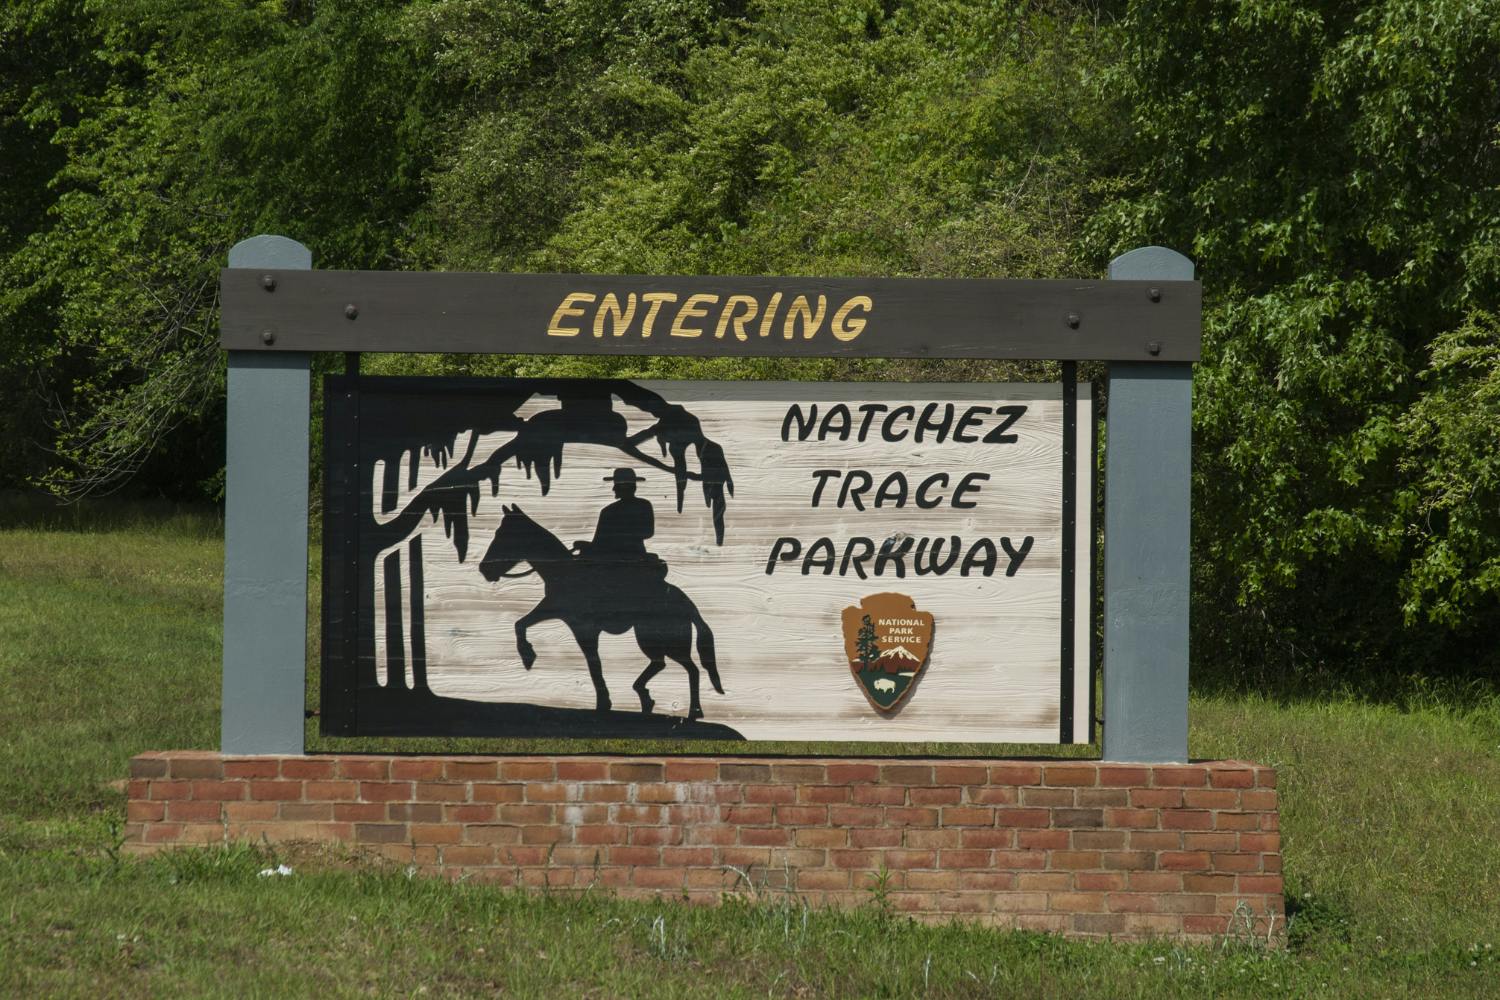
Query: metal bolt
{"points": [[1153, 348], [1155, 294], [1073, 320], [268, 282], [351, 312], [267, 337]]}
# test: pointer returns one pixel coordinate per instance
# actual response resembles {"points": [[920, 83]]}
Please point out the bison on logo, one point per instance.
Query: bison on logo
{"points": [[886, 641]]}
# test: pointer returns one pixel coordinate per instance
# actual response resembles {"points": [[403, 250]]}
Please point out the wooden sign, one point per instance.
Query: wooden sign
{"points": [[716, 560]]}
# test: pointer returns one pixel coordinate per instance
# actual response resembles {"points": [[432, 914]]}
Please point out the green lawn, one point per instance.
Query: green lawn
{"points": [[109, 646]]}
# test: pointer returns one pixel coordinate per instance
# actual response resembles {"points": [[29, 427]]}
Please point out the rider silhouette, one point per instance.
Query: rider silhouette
{"points": [[620, 536]]}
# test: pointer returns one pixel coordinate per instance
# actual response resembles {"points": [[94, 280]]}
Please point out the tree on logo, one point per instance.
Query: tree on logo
{"points": [[864, 644]]}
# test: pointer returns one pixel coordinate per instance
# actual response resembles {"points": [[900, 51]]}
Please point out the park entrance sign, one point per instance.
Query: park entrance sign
{"points": [[833, 561], [730, 560]]}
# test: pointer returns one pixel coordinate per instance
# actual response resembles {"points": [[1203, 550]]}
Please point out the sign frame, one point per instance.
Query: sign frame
{"points": [[270, 342]]}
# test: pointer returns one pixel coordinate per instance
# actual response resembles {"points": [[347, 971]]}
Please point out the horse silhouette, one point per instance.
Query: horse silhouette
{"points": [[591, 596]]}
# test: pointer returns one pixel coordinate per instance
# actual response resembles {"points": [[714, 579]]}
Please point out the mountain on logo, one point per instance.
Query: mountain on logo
{"points": [[900, 653]]}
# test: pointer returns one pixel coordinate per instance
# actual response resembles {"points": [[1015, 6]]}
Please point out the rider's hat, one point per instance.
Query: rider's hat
{"points": [[624, 476]]}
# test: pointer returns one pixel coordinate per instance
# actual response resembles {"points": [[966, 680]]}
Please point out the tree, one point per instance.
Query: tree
{"points": [[865, 645]]}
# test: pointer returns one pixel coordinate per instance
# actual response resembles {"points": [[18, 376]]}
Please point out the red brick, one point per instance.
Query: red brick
{"points": [[1129, 860], [1136, 819], [1015, 774], [801, 814], [1077, 902], [358, 812], [380, 833], [1271, 885], [436, 833], [1185, 860], [933, 839], [1236, 821], [907, 774], [771, 794], [608, 834], [417, 769], [911, 816], [632, 814], [1208, 841], [250, 812], [138, 789], [1152, 924], [148, 765], [849, 774], [179, 811], [1116, 776], [1047, 796], [331, 791], [1021, 817], [1260, 842], [636, 771], [482, 812], [773, 836], [929, 881], [1187, 819], [171, 790], [1242, 777], [1156, 798], [305, 812], [468, 854], [199, 765], [1049, 840], [1133, 902], [909, 859], [988, 838], [960, 774], [994, 795], [968, 816], [1099, 923], [364, 768], [1155, 840], [145, 812], [598, 770], [600, 793], [415, 812], [305, 768], [525, 815], [851, 859], [545, 834], [1211, 884], [1265, 777], [1099, 881], [162, 833], [1237, 862], [988, 881], [489, 770], [874, 837], [252, 767], [814, 880], [965, 859], [494, 833], [658, 835], [1211, 798], [450, 791], [747, 815], [855, 816], [1201, 924], [219, 791], [936, 796], [1163, 776], [1102, 797], [1045, 882], [1155, 882], [1021, 860], [882, 795], [740, 772], [714, 834], [1076, 859], [1069, 774], [275, 791], [1258, 800], [385, 791]]}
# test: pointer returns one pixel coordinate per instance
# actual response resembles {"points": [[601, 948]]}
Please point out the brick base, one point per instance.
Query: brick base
{"points": [[1078, 847]]}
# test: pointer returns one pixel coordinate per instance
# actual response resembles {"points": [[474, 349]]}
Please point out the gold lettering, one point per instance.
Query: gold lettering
{"points": [[566, 310], [847, 329], [654, 301], [692, 309], [769, 314], [727, 318], [619, 318], [810, 320]]}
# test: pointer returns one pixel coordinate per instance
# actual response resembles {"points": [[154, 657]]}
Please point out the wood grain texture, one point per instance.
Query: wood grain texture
{"points": [[993, 674], [719, 315]]}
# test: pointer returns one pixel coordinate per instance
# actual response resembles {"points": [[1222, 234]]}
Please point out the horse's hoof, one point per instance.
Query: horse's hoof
{"points": [[647, 704], [603, 706], [528, 657], [694, 716]]}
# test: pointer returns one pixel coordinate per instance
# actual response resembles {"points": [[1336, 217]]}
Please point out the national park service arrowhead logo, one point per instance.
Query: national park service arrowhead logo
{"points": [[886, 640]]}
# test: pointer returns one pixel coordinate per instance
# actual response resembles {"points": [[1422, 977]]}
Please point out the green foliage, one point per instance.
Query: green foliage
{"points": [[1334, 169]]}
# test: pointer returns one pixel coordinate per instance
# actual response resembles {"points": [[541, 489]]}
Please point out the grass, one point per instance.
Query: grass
{"points": [[109, 646]]}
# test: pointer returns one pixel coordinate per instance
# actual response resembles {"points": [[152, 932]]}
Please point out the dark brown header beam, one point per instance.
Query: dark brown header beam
{"points": [[465, 313]]}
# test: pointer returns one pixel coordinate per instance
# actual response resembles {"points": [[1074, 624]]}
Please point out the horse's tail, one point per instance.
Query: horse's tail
{"points": [[705, 645]]}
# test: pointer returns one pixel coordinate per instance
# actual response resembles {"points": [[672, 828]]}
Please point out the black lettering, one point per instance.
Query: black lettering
{"points": [[1016, 557], [813, 558], [925, 423], [937, 479], [841, 428], [969, 419], [857, 561], [968, 484], [793, 546], [848, 490], [886, 433], [822, 475], [805, 424], [1011, 415], [893, 554], [869, 410], [981, 554], [894, 487], [935, 566]]}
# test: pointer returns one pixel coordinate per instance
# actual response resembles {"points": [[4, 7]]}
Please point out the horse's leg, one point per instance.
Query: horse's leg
{"points": [[656, 666], [589, 643], [683, 655], [540, 613]]}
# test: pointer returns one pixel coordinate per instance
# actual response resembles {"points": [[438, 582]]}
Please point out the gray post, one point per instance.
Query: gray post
{"points": [[1148, 468], [265, 532]]}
